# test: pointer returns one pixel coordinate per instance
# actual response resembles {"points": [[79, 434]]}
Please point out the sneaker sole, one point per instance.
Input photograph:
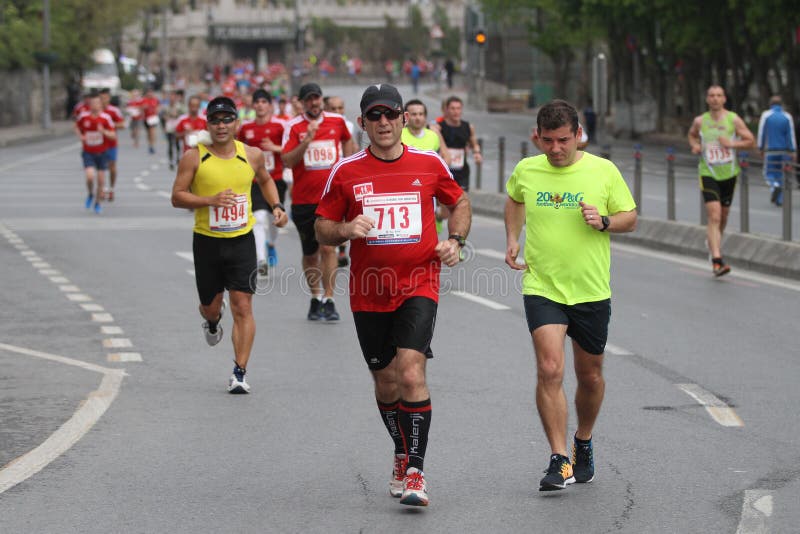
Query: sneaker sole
{"points": [[414, 500], [556, 487], [396, 493], [238, 390], [584, 481]]}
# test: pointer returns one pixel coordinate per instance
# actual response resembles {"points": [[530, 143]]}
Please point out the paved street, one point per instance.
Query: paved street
{"points": [[114, 415]]}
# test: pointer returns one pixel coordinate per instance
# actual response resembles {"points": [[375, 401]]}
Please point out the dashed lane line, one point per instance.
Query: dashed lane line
{"points": [[716, 408], [38, 158], [756, 511], [480, 300], [84, 418]]}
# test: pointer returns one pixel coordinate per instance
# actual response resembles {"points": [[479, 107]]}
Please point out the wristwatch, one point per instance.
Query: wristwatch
{"points": [[461, 240], [606, 222], [278, 205]]}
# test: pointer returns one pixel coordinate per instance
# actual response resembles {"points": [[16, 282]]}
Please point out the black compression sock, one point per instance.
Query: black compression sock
{"points": [[389, 417], [415, 421]]}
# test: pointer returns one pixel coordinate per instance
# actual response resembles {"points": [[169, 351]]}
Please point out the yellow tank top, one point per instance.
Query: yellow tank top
{"points": [[214, 175]]}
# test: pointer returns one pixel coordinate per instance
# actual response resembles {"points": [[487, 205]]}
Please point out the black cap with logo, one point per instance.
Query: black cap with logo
{"points": [[381, 94], [221, 104], [262, 93]]}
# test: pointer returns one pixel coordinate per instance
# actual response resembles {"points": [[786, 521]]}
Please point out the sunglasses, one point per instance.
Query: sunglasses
{"points": [[374, 115], [227, 119]]}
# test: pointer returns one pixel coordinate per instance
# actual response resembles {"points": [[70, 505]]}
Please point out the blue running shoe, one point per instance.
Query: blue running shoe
{"points": [[89, 200], [272, 256], [98, 209]]}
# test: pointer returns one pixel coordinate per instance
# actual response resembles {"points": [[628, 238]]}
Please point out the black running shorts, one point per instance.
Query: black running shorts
{"points": [[587, 322], [410, 326], [718, 190], [303, 217], [461, 176], [259, 202], [224, 263]]}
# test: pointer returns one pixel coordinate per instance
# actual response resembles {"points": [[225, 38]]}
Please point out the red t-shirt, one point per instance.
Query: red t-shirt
{"points": [[79, 108], [116, 116], [397, 259], [187, 124], [321, 155], [251, 133], [149, 106], [94, 141]]}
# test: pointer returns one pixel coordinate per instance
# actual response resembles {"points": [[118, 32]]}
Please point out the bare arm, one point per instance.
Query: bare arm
{"points": [[349, 147], [443, 152], [514, 215], [458, 223], [473, 143], [295, 155], [746, 137], [618, 223], [694, 136], [337, 232]]}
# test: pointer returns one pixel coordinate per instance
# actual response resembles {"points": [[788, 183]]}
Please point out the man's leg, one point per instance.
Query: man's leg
{"points": [[244, 326], [713, 232], [212, 312], [112, 173], [90, 175], [328, 264], [548, 344], [591, 389], [312, 270]]}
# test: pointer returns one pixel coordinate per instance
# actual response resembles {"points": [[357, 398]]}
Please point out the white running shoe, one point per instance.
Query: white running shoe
{"points": [[237, 383], [398, 476], [216, 337], [414, 491]]}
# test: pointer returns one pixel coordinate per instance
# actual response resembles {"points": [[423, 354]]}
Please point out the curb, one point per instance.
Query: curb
{"points": [[754, 252], [20, 136]]}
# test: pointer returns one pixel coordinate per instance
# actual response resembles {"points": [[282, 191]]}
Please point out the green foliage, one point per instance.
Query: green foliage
{"points": [[451, 42], [327, 30]]}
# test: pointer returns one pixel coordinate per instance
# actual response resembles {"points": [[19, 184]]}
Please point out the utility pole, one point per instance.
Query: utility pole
{"points": [[166, 75], [46, 118]]}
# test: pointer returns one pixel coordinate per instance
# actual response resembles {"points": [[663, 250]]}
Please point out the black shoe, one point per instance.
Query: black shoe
{"points": [[582, 461], [315, 310], [721, 269], [343, 260], [559, 474], [774, 195], [329, 312]]}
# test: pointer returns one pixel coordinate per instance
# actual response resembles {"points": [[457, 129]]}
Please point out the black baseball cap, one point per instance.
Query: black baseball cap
{"points": [[381, 94], [262, 93], [221, 104], [308, 90]]}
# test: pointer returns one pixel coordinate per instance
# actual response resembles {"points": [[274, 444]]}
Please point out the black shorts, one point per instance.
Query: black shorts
{"points": [[303, 217], [410, 326], [718, 191], [259, 202], [587, 322], [461, 176], [224, 263]]}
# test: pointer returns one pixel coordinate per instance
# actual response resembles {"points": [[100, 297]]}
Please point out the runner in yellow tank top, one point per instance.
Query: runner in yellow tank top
{"points": [[214, 179]]}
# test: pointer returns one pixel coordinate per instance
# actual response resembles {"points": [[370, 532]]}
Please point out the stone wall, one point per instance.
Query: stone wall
{"points": [[21, 94]]}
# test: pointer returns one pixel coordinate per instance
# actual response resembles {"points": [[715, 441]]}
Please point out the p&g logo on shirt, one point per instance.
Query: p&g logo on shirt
{"points": [[547, 199]]}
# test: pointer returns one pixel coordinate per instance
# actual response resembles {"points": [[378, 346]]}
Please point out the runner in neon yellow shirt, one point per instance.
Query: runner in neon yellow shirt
{"points": [[569, 201]]}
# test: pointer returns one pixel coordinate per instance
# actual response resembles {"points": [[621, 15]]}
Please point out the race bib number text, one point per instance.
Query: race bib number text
{"points": [[320, 154], [457, 156], [398, 218], [231, 218]]}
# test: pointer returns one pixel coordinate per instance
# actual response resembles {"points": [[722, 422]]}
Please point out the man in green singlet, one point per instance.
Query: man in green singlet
{"points": [[715, 135]]}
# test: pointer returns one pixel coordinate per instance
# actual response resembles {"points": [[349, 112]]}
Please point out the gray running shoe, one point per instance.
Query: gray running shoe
{"points": [[212, 338]]}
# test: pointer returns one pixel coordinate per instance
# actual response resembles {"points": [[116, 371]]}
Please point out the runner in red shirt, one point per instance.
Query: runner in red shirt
{"points": [[265, 133], [134, 113], [311, 146], [382, 200], [191, 124], [95, 129], [111, 152], [149, 105]]}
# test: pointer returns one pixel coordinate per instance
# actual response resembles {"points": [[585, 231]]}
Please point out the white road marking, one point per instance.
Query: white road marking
{"points": [[756, 511], [49, 272], [41, 265], [111, 330], [28, 253], [164, 194], [703, 265], [718, 410], [38, 158], [33, 259], [72, 430], [619, 351], [125, 357], [102, 318], [489, 253], [190, 271], [154, 166], [188, 256], [69, 288], [117, 343], [143, 187], [145, 173], [92, 307], [59, 279], [78, 297], [480, 300]]}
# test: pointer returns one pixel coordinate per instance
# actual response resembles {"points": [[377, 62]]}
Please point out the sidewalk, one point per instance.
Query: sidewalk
{"points": [[26, 133]]}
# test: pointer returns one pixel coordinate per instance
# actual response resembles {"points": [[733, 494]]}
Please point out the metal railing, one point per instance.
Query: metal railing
{"points": [[673, 161]]}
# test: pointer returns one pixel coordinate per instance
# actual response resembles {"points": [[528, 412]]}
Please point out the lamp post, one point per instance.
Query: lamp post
{"points": [[46, 118]]}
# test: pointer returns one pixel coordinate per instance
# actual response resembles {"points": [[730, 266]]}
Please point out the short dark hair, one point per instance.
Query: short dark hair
{"points": [[416, 102], [555, 114], [451, 99]]}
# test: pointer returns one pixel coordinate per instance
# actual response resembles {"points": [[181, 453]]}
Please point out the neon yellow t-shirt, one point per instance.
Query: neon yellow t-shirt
{"points": [[215, 174], [428, 141], [568, 261]]}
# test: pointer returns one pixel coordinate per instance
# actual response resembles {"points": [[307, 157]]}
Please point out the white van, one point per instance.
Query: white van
{"points": [[103, 73]]}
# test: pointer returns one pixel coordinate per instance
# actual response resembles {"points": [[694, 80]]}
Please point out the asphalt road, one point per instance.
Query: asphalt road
{"points": [[89, 443]]}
